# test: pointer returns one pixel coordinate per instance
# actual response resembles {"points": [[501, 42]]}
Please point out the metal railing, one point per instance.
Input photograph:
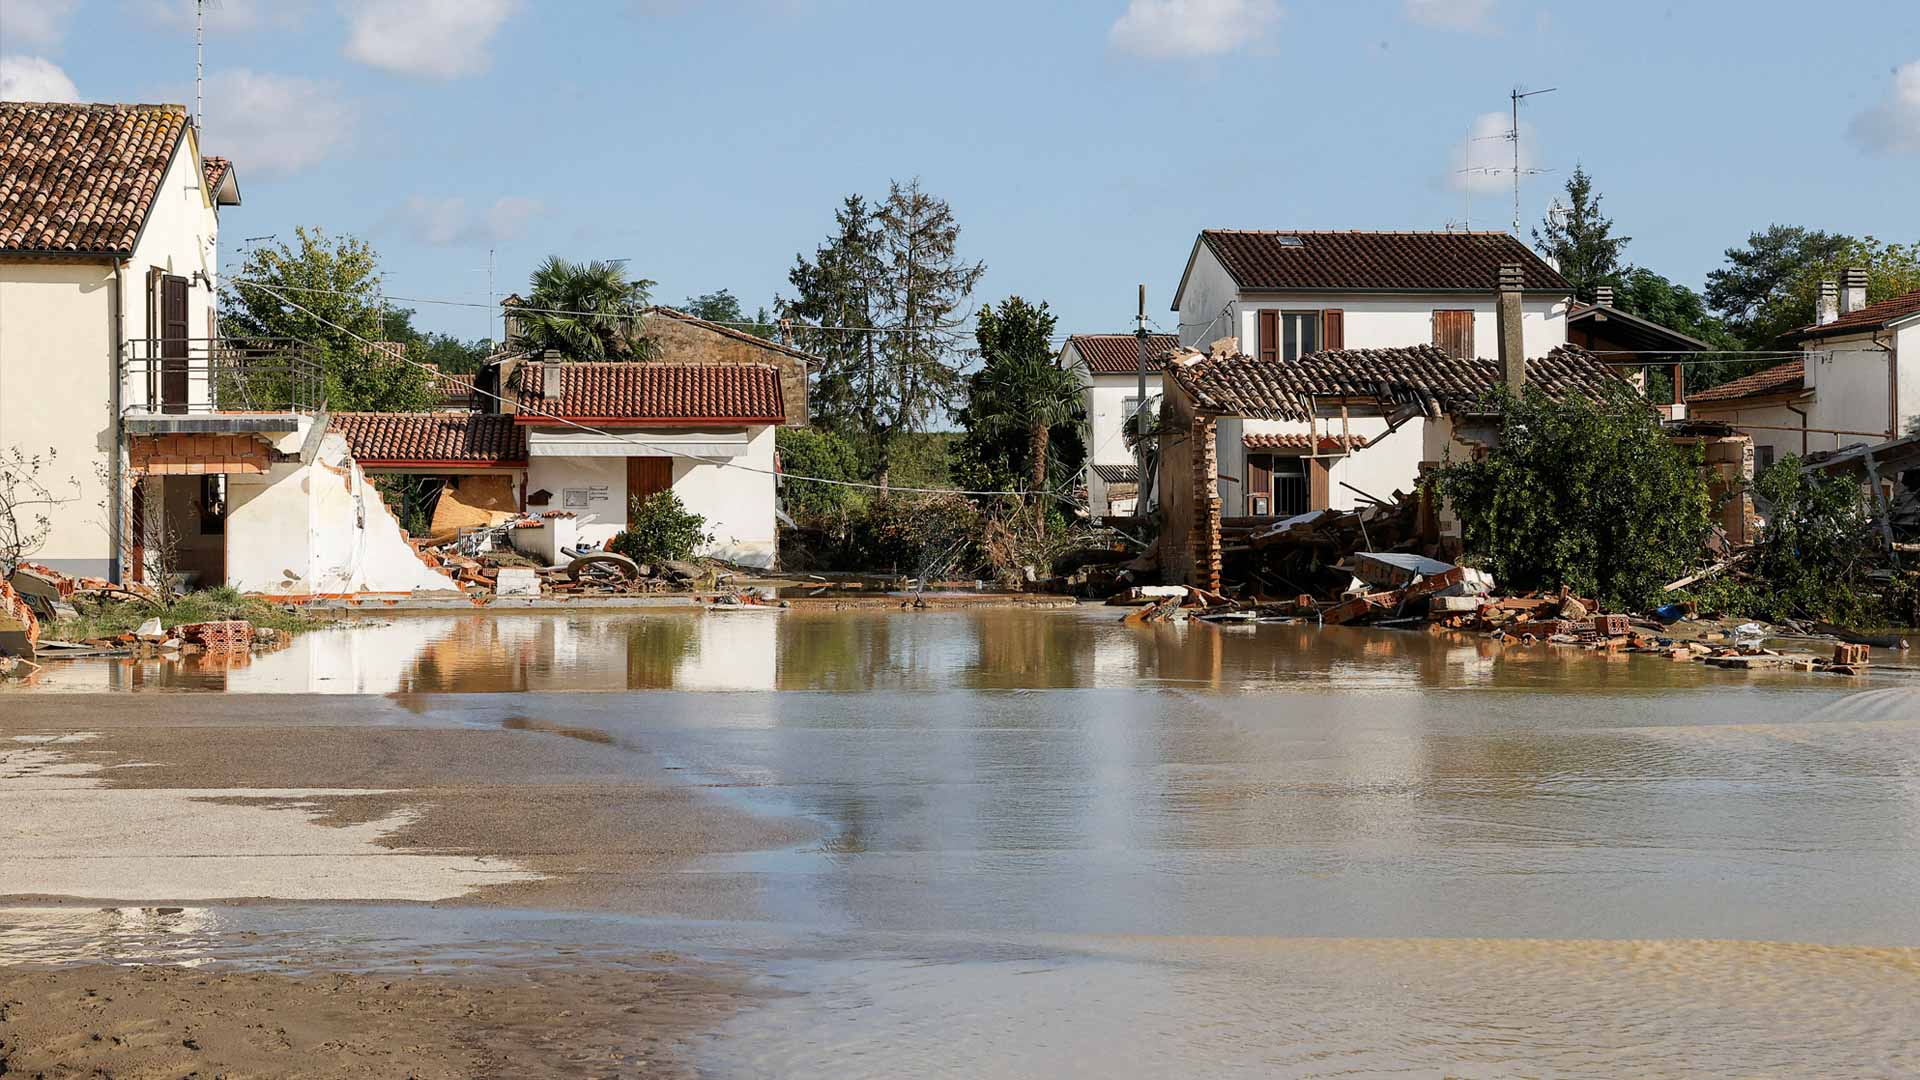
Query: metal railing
{"points": [[222, 375]]}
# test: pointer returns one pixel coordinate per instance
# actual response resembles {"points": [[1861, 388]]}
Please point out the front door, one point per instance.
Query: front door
{"points": [[173, 344], [647, 477]]}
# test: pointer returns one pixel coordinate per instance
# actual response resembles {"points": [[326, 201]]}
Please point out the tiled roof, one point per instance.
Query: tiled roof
{"points": [[81, 178], [1240, 385], [1119, 354], [1116, 474], [1292, 441], [456, 391], [1870, 317], [216, 168], [1376, 261], [451, 438], [1787, 378], [655, 392]]}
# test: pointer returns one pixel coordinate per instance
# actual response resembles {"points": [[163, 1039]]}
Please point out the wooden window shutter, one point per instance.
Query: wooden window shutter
{"points": [[1269, 335], [1453, 333], [1333, 329]]}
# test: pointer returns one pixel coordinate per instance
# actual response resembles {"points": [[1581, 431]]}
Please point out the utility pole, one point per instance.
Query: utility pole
{"points": [[1139, 411], [1515, 96]]}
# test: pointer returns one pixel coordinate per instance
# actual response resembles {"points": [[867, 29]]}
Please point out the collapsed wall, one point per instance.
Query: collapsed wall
{"points": [[319, 529]]}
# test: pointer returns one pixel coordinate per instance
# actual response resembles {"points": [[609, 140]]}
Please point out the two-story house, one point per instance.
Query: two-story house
{"points": [[1109, 367], [167, 449], [1280, 296], [1857, 379]]}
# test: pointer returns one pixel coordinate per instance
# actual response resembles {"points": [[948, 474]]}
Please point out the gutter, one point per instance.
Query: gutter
{"points": [[543, 420]]}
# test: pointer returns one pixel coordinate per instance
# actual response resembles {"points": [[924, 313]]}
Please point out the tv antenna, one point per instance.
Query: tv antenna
{"points": [[1516, 96], [199, 70]]}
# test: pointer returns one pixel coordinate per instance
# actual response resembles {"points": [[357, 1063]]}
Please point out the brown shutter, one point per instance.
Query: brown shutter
{"points": [[1333, 329], [1319, 484], [1269, 335], [647, 477], [1259, 480], [174, 333], [1453, 333]]}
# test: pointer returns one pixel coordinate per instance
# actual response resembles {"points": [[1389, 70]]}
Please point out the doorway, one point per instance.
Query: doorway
{"points": [[647, 477]]}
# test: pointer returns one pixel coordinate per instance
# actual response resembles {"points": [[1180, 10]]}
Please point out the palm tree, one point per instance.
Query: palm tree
{"points": [[1030, 392], [585, 311]]}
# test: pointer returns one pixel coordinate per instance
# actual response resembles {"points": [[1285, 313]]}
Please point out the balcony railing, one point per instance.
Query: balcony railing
{"points": [[185, 376]]}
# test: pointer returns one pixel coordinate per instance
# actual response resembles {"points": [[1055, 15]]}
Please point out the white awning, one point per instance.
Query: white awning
{"points": [[638, 442]]}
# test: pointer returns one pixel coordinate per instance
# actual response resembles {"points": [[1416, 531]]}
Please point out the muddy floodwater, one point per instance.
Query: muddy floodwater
{"points": [[1015, 843]]}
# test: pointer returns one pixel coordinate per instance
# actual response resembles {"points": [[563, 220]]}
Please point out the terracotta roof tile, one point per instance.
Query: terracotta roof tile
{"points": [[1119, 354], [1240, 385], [81, 178], [216, 168], [1870, 317], [1291, 441], [456, 391], [1376, 261], [450, 438], [1787, 378], [641, 392]]}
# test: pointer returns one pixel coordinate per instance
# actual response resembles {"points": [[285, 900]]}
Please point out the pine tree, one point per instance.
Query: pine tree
{"points": [[1580, 241], [923, 284], [833, 314]]}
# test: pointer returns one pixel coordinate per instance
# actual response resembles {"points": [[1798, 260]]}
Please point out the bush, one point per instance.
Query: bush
{"points": [[111, 618], [662, 528], [1817, 548], [825, 454], [1590, 495], [915, 533]]}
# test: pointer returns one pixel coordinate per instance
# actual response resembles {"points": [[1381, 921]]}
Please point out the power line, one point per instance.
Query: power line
{"points": [[667, 449]]}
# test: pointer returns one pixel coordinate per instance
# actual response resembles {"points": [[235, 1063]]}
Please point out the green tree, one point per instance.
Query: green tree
{"points": [[1815, 554], [723, 307], [828, 455], [1579, 239], [1758, 290], [325, 292], [922, 286], [586, 311], [1025, 414], [834, 310], [1590, 495], [452, 355]]}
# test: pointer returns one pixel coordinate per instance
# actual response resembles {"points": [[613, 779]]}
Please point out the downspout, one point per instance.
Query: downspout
{"points": [[115, 471], [1803, 428], [1893, 385]]}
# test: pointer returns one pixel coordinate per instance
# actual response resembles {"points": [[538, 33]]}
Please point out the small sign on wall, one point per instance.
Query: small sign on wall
{"points": [[583, 498]]}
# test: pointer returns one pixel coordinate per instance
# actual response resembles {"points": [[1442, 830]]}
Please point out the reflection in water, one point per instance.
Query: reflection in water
{"points": [[857, 651]]}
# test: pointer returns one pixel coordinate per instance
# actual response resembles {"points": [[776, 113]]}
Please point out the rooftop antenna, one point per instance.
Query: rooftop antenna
{"points": [[1516, 95], [199, 71]]}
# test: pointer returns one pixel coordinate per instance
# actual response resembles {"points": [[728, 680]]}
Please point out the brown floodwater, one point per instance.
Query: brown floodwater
{"points": [[1057, 846]]}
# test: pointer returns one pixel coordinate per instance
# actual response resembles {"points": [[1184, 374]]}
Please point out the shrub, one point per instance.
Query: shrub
{"points": [[1817, 548], [825, 454], [662, 528], [915, 533], [1590, 495]]}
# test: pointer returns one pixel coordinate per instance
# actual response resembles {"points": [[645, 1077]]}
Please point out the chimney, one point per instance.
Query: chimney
{"points": [[1603, 295], [1853, 289], [1827, 308], [549, 379], [1513, 347]]}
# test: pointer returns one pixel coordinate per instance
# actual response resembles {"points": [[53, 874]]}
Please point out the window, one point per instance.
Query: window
{"points": [[1762, 458], [213, 504], [1299, 333], [1276, 485], [1453, 333]]}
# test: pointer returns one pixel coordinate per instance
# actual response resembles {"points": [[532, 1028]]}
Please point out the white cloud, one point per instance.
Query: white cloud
{"points": [[438, 39], [1483, 159], [1183, 28], [1893, 125], [444, 221], [274, 123], [234, 15], [1451, 14], [37, 22], [34, 78]]}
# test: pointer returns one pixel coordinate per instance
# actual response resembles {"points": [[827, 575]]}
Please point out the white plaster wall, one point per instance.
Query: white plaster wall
{"points": [[1907, 362], [737, 502], [319, 529], [1774, 417], [603, 479], [1849, 379], [57, 365], [181, 237], [1382, 322], [1106, 404], [1209, 288]]}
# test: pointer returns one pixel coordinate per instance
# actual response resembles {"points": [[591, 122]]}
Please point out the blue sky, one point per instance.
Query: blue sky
{"points": [[1082, 143]]}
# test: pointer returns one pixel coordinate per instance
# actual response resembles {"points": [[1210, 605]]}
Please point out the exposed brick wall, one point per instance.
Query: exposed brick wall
{"points": [[689, 343], [197, 455], [1203, 536]]}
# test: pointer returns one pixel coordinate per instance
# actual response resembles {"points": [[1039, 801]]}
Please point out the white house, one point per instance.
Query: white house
{"points": [[1857, 379], [173, 450], [1280, 296], [1110, 369]]}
